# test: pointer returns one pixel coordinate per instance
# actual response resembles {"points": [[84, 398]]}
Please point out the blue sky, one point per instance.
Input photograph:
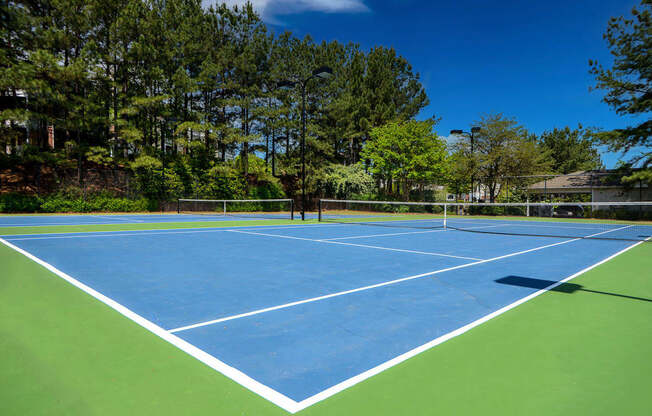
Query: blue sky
{"points": [[525, 59]]}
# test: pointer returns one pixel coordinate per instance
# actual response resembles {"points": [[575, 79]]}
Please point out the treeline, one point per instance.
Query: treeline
{"points": [[187, 98], [130, 78]]}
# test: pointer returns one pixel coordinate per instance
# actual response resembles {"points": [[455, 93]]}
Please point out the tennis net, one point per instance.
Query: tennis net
{"points": [[595, 220], [243, 208]]}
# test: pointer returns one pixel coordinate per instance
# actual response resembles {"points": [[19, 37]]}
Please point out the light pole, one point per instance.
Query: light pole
{"points": [[471, 135], [322, 72]]}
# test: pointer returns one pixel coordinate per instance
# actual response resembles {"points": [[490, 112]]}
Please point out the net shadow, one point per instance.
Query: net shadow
{"points": [[568, 288]]}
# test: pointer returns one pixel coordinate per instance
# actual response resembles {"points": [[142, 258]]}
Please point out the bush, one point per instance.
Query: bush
{"points": [[148, 173], [221, 182], [96, 204], [14, 203], [342, 182], [266, 190], [70, 201]]}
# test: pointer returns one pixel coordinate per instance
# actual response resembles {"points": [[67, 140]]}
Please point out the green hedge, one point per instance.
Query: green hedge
{"points": [[17, 203], [20, 203]]}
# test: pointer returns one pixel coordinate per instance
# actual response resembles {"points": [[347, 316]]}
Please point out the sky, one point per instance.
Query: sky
{"points": [[525, 59]]}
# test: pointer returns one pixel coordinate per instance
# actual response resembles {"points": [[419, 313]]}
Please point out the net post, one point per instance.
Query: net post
{"points": [[292, 209], [319, 213], [445, 214], [178, 206]]}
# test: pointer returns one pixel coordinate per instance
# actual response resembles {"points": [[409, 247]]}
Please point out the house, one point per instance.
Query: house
{"points": [[601, 185]]}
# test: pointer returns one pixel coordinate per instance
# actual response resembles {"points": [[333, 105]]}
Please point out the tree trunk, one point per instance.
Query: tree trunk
{"points": [[244, 154], [79, 160], [406, 189]]}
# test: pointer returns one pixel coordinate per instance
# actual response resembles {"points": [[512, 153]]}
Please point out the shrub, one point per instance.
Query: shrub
{"points": [[266, 190], [15, 203], [97, 203], [341, 182], [148, 172], [221, 182]]}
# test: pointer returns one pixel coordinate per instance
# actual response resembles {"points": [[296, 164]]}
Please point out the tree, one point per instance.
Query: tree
{"points": [[629, 84], [193, 87], [406, 153], [571, 150], [343, 182], [458, 180], [502, 149]]}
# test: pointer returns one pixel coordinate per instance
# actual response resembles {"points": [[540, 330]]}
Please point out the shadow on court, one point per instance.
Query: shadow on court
{"points": [[569, 288]]}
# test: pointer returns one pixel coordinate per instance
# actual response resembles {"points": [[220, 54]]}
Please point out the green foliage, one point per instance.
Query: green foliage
{"points": [[99, 155], [72, 201], [458, 180], [644, 176], [571, 150], [221, 182], [266, 190], [342, 182], [59, 203], [149, 176], [126, 79], [19, 203], [257, 168], [628, 83], [502, 149], [407, 153]]}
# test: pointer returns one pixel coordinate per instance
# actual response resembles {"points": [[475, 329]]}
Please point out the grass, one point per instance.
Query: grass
{"points": [[582, 353]]}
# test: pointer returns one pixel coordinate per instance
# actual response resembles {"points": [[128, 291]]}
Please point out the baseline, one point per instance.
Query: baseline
{"points": [[418, 350], [234, 374]]}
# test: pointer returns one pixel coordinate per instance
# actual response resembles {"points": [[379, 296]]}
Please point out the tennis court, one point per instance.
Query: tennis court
{"points": [[297, 314]]}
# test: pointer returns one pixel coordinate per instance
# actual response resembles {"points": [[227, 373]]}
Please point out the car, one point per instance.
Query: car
{"points": [[569, 211]]}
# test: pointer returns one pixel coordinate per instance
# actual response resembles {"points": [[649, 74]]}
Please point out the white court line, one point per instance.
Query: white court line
{"points": [[374, 286], [262, 390], [126, 234], [120, 233], [405, 233], [106, 217], [488, 221], [45, 224], [204, 219], [381, 235], [418, 350], [560, 226], [234, 374], [355, 245]]}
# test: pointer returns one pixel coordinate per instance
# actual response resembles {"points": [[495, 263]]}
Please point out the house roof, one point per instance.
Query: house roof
{"points": [[580, 181]]}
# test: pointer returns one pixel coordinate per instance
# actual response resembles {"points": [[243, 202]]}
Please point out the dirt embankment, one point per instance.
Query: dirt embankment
{"points": [[41, 179]]}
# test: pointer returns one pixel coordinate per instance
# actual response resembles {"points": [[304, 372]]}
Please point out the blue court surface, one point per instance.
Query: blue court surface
{"points": [[298, 313], [86, 219]]}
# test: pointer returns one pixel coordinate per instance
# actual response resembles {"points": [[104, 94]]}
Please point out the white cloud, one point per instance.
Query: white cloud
{"points": [[270, 8]]}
